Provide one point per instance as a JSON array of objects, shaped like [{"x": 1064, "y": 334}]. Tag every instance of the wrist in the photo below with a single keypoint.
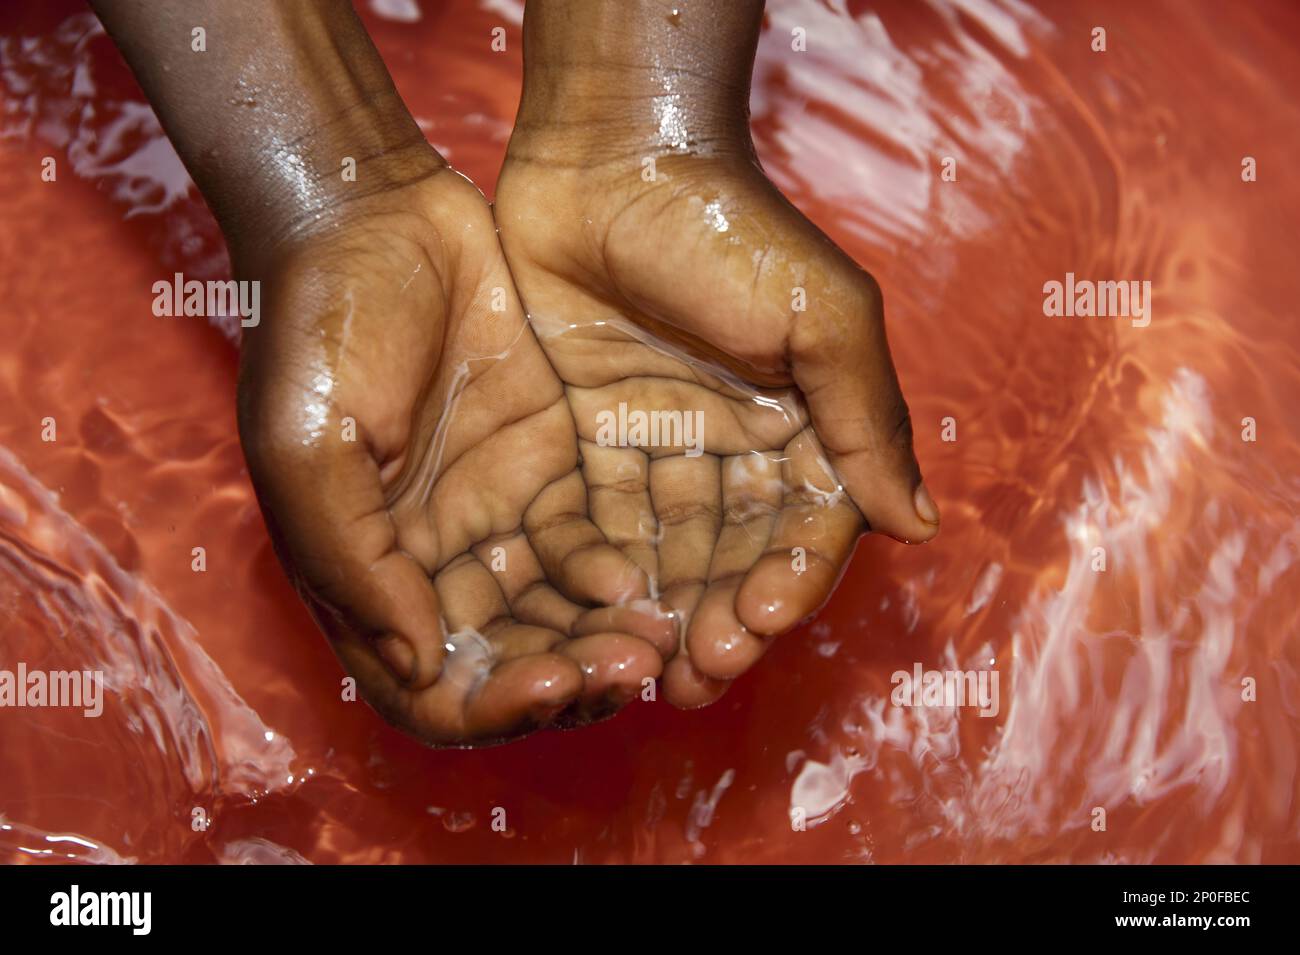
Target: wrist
[
  {"x": 575, "y": 124},
  {"x": 330, "y": 143},
  {"x": 612, "y": 81},
  {"x": 282, "y": 112},
  {"x": 342, "y": 164}
]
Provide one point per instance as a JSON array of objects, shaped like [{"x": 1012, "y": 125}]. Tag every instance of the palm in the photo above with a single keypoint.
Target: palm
[
  {"x": 683, "y": 294},
  {"x": 415, "y": 459}
]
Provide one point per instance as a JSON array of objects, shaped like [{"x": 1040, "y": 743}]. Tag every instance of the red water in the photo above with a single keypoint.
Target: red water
[{"x": 1121, "y": 689}]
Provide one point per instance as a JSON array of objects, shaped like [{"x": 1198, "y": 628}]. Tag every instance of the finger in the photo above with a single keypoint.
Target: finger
[
  {"x": 471, "y": 599},
  {"x": 532, "y": 600},
  {"x": 473, "y": 603},
  {"x": 574, "y": 553},
  {"x": 686, "y": 494},
  {"x": 529, "y": 595},
  {"x": 385, "y": 615},
  {"x": 325, "y": 508},
  {"x": 510, "y": 640},
  {"x": 842, "y": 364},
  {"x": 686, "y": 688},
  {"x": 719, "y": 645},
  {"x": 752, "y": 494},
  {"x": 811, "y": 543},
  {"x": 615, "y": 668},
  {"x": 618, "y": 494},
  {"x": 499, "y": 676},
  {"x": 482, "y": 702},
  {"x": 472, "y": 702},
  {"x": 455, "y": 502},
  {"x": 653, "y": 621}
]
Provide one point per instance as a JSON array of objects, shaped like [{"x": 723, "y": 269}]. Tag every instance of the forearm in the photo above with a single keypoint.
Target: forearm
[
  {"x": 605, "y": 77},
  {"x": 266, "y": 115}
]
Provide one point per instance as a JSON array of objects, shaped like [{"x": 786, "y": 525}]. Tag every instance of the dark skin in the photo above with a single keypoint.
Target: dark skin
[
  {"x": 426, "y": 467},
  {"x": 428, "y": 544},
  {"x": 809, "y": 440}
]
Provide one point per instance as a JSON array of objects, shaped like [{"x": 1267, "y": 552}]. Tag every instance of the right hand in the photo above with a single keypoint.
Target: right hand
[{"x": 682, "y": 293}]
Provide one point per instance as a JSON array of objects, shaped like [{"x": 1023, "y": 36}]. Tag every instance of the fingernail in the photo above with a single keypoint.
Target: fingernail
[
  {"x": 398, "y": 654},
  {"x": 926, "y": 509}
]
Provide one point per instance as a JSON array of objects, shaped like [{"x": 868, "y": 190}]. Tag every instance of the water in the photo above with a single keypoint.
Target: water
[{"x": 1120, "y": 689}]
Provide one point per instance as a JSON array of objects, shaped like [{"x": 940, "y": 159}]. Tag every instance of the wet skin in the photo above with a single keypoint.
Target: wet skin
[
  {"x": 407, "y": 438},
  {"x": 662, "y": 270},
  {"x": 426, "y": 456},
  {"x": 415, "y": 460}
]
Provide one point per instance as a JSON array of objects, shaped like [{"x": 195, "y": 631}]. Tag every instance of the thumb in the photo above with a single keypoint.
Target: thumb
[
  {"x": 325, "y": 508},
  {"x": 842, "y": 364}
]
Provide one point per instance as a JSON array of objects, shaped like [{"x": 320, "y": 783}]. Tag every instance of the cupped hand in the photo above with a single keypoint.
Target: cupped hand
[
  {"x": 416, "y": 463},
  {"x": 691, "y": 285}
]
